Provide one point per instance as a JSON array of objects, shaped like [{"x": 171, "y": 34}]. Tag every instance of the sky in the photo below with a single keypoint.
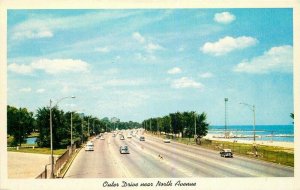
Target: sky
[{"x": 139, "y": 63}]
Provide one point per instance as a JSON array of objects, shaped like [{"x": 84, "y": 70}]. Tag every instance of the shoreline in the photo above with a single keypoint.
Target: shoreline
[{"x": 258, "y": 142}]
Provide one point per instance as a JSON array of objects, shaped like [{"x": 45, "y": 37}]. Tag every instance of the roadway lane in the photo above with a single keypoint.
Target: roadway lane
[
  {"x": 106, "y": 162},
  {"x": 176, "y": 160},
  {"x": 238, "y": 166}
]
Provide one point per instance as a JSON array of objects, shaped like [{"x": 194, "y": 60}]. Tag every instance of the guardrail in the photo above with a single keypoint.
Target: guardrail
[
  {"x": 19, "y": 147},
  {"x": 59, "y": 164},
  {"x": 62, "y": 160},
  {"x": 44, "y": 174}
]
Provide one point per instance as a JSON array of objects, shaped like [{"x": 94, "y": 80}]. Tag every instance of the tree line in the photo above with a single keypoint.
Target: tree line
[
  {"x": 179, "y": 123},
  {"x": 21, "y": 123}
]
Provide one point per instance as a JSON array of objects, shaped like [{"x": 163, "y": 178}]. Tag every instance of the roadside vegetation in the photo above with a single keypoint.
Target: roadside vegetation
[
  {"x": 179, "y": 124},
  {"x": 23, "y": 124}
]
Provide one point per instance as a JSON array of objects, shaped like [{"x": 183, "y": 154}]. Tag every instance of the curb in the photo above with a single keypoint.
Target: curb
[{"x": 70, "y": 163}]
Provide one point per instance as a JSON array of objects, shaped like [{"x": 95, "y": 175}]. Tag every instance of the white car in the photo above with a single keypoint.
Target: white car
[
  {"x": 89, "y": 146},
  {"x": 142, "y": 138},
  {"x": 129, "y": 136},
  {"x": 167, "y": 141},
  {"x": 102, "y": 138}
]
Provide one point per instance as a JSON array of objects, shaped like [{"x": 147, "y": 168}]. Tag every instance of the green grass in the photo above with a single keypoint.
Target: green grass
[
  {"x": 274, "y": 154},
  {"x": 35, "y": 134},
  {"x": 38, "y": 150}
]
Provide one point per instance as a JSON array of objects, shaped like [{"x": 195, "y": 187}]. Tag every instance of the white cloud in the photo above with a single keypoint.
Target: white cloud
[
  {"x": 103, "y": 49},
  {"x": 25, "y": 89},
  {"x": 141, "y": 57},
  {"x": 20, "y": 69},
  {"x": 206, "y": 75},
  {"x": 153, "y": 47},
  {"x": 41, "y": 90},
  {"x": 34, "y": 34},
  {"x": 125, "y": 82},
  {"x": 224, "y": 17},
  {"x": 174, "y": 70},
  {"x": 181, "y": 49},
  {"x": 276, "y": 59},
  {"x": 137, "y": 36},
  {"x": 228, "y": 44},
  {"x": 185, "y": 82},
  {"x": 51, "y": 66},
  {"x": 46, "y": 25}
]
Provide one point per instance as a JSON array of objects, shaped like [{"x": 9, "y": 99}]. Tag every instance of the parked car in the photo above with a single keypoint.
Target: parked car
[
  {"x": 167, "y": 141},
  {"x": 142, "y": 138},
  {"x": 226, "y": 153},
  {"x": 129, "y": 136},
  {"x": 102, "y": 138},
  {"x": 124, "y": 149},
  {"x": 122, "y": 138},
  {"x": 89, "y": 146}
]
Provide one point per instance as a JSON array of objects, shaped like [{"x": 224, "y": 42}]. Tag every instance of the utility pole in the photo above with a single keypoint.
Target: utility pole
[
  {"x": 93, "y": 126},
  {"x": 88, "y": 126},
  {"x": 71, "y": 129},
  {"x": 226, "y": 100},
  {"x": 195, "y": 124}
]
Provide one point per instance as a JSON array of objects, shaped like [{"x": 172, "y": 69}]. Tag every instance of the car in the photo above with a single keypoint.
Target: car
[
  {"x": 129, "y": 136},
  {"x": 167, "y": 141},
  {"x": 102, "y": 138},
  {"x": 89, "y": 146},
  {"x": 142, "y": 138},
  {"x": 114, "y": 135},
  {"x": 97, "y": 137},
  {"x": 122, "y": 138},
  {"x": 124, "y": 149},
  {"x": 226, "y": 153}
]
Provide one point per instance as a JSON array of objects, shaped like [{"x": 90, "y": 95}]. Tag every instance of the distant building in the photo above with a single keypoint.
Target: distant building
[{"x": 114, "y": 120}]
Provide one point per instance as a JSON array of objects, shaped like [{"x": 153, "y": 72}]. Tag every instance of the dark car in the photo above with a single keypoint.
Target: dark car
[
  {"x": 124, "y": 149},
  {"x": 226, "y": 153}
]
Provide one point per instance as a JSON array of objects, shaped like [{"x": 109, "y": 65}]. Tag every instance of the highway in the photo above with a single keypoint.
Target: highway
[{"x": 153, "y": 158}]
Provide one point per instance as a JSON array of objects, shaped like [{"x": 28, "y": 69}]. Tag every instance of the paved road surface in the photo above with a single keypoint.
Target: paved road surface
[{"x": 177, "y": 160}]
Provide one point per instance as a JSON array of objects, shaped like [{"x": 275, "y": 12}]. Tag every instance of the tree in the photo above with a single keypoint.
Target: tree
[
  {"x": 166, "y": 124},
  {"x": 202, "y": 126},
  {"x": 20, "y": 124},
  {"x": 292, "y": 116},
  {"x": 60, "y": 128}
]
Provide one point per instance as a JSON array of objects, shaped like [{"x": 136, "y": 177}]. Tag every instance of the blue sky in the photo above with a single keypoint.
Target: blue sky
[{"x": 140, "y": 63}]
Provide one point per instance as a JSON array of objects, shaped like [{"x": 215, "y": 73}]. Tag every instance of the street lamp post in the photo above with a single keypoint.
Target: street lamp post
[
  {"x": 72, "y": 128},
  {"x": 195, "y": 124},
  {"x": 51, "y": 135},
  {"x": 226, "y": 100},
  {"x": 252, "y": 108}
]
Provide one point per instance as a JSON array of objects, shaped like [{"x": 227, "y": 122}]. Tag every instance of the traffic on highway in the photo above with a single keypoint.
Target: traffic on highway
[{"x": 136, "y": 154}]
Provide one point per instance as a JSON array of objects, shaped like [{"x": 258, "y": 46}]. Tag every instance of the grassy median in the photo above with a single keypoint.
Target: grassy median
[{"x": 38, "y": 150}]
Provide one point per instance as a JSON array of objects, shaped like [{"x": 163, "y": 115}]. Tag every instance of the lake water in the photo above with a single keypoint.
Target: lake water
[
  {"x": 263, "y": 132},
  {"x": 31, "y": 140}
]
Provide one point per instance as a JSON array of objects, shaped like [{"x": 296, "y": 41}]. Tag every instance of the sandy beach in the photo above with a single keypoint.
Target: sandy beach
[{"x": 259, "y": 142}]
